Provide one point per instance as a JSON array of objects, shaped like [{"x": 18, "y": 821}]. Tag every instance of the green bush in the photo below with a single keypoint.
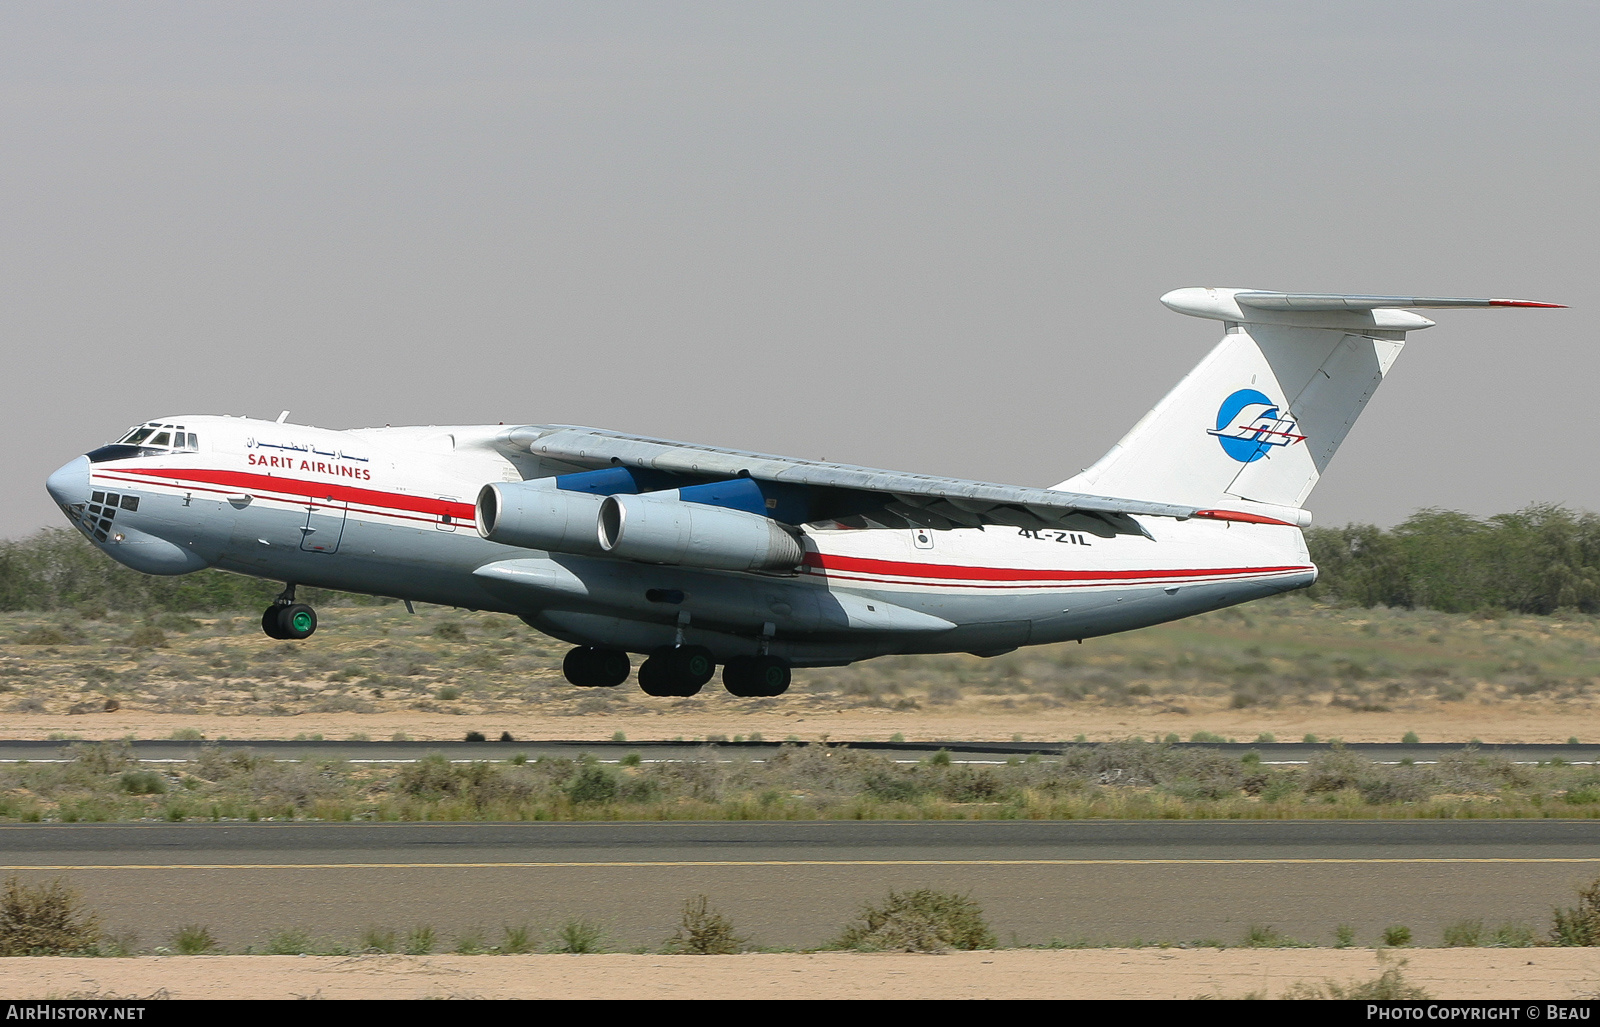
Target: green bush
[
  {"x": 420, "y": 940},
  {"x": 579, "y": 936},
  {"x": 377, "y": 939},
  {"x": 143, "y": 782},
  {"x": 923, "y": 920},
  {"x": 593, "y": 783},
  {"x": 1261, "y": 936},
  {"x": 518, "y": 940},
  {"x": 1513, "y": 936},
  {"x": 193, "y": 940}
]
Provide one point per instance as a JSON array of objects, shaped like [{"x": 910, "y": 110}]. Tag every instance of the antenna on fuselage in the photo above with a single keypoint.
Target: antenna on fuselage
[{"x": 283, "y": 417}]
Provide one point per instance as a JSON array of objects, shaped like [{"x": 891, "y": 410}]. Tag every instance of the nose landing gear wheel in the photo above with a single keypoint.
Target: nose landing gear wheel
[
  {"x": 750, "y": 677},
  {"x": 588, "y": 667},
  {"x": 681, "y": 671}
]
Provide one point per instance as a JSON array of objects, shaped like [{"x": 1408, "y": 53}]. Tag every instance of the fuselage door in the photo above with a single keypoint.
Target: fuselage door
[
  {"x": 445, "y": 521},
  {"x": 324, "y": 525}
]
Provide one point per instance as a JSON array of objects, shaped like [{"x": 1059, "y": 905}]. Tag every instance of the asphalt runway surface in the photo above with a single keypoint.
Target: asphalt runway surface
[
  {"x": 796, "y": 884},
  {"x": 961, "y": 751}
]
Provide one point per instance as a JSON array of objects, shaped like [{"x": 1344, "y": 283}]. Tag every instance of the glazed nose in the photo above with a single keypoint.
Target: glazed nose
[{"x": 70, "y": 483}]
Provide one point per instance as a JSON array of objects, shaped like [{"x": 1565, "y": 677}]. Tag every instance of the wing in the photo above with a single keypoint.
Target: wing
[{"x": 854, "y": 496}]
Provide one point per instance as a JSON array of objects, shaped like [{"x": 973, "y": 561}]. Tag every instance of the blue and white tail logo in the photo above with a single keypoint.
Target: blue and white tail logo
[{"x": 1249, "y": 426}]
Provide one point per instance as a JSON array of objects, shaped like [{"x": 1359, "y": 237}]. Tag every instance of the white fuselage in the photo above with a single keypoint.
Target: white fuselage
[{"x": 390, "y": 511}]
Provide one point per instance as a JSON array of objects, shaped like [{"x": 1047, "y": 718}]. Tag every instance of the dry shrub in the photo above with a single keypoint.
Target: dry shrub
[
  {"x": 193, "y": 940},
  {"x": 1580, "y": 924},
  {"x": 1390, "y": 985},
  {"x": 702, "y": 931},
  {"x": 147, "y": 636},
  {"x": 45, "y": 920},
  {"x": 49, "y": 634},
  {"x": 104, "y": 757},
  {"x": 923, "y": 920}
]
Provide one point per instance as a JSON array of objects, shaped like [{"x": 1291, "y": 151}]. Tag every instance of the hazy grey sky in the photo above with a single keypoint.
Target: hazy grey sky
[{"x": 927, "y": 236}]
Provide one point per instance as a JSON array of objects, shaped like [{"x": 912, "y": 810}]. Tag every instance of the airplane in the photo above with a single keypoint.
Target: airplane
[{"x": 700, "y": 556}]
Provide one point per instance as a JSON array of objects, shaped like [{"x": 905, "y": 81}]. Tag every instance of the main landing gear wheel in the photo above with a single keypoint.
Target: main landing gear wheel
[
  {"x": 588, "y": 667},
  {"x": 680, "y": 671},
  {"x": 289, "y": 623},
  {"x": 750, "y": 677}
]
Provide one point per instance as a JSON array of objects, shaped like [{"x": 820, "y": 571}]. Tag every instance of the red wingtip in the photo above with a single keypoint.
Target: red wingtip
[{"x": 1525, "y": 303}]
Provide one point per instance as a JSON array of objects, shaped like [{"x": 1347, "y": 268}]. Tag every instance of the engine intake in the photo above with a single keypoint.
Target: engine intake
[
  {"x": 538, "y": 515},
  {"x": 658, "y": 528}
]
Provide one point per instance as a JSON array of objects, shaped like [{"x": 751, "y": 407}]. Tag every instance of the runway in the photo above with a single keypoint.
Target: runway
[
  {"x": 795, "y": 884},
  {"x": 160, "y": 750}
]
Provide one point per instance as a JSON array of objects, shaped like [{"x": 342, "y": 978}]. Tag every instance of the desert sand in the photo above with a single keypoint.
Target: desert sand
[
  {"x": 1152, "y": 973},
  {"x": 1489, "y": 723}
]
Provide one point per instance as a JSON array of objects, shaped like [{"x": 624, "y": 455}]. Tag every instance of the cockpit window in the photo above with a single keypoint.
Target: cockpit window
[{"x": 151, "y": 439}]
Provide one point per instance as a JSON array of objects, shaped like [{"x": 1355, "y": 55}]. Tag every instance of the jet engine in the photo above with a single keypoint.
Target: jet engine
[
  {"x": 659, "y": 528},
  {"x": 539, "y": 515}
]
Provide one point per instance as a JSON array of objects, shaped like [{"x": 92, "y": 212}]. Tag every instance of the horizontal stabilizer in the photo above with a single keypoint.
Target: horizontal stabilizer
[
  {"x": 1332, "y": 301},
  {"x": 1323, "y": 310}
]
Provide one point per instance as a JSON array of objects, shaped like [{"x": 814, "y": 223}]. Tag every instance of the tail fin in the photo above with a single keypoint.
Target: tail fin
[{"x": 1261, "y": 416}]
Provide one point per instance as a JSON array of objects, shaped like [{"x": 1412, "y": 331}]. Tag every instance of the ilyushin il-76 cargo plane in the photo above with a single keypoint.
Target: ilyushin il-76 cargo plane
[{"x": 697, "y": 556}]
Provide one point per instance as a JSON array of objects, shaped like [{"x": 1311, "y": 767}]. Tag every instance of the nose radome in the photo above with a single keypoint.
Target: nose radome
[{"x": 70, "y": 483}]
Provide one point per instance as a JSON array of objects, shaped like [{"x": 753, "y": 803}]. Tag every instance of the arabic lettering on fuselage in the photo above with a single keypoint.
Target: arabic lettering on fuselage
[{"x": 292, "y": 463}]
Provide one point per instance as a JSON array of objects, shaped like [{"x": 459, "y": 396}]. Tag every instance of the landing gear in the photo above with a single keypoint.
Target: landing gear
[
  {"x": 749, "y": 677},
  {"x": 680, "y": 670},
  {"x": 288, "y": 620},
  {"x": 289, "y": 623},
  {"x": 588, "y": 667}
]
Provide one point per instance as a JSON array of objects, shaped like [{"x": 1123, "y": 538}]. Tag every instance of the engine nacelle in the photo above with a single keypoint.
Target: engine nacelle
[
  {"x": 538, "y": 515},
  {"x": 658, "y": 528}
]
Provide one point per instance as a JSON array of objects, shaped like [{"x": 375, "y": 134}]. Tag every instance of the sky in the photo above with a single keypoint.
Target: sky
[{"x": 929, "y": 236}]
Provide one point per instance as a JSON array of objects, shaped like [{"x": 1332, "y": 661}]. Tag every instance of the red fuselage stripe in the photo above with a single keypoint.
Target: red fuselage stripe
[
  {"x": 245, "y": 481},
  {"x": 845, "y": 567}
]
